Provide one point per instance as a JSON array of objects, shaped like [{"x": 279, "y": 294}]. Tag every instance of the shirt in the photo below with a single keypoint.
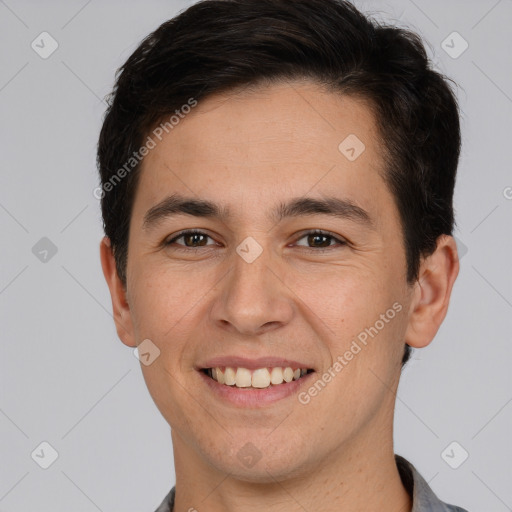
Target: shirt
[{"x": 423, "y": 498}]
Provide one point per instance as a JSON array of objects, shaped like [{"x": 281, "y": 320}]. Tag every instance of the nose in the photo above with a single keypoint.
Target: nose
[{"x": 253, "y": 298}]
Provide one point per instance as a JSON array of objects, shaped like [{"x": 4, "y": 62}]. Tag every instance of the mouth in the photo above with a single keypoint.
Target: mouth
[{"x": 257, "y": 378}]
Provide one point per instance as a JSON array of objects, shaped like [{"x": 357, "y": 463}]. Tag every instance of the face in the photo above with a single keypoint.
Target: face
[{"x": 256, "y": 282}]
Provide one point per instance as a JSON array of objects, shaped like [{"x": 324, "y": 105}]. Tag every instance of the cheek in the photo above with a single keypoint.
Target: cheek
[
  {"x": 161, "y": 299},
  {"x": 163, "y": 310},
  {"x": 346, "y": 299},
  {"x": 361, "y": 319}
]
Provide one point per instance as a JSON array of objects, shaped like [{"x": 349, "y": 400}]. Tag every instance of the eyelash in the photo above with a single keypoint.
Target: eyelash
[{"x": 317, "y": 232}]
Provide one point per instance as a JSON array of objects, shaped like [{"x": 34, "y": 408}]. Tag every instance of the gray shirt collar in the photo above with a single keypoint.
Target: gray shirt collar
[{"x": 423, "y": 497}]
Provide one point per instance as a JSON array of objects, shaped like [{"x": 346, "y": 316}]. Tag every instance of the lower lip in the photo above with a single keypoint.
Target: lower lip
[{"x": 255, "y": 398}]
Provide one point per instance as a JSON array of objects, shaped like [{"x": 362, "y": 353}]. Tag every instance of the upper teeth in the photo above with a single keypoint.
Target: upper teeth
[{"x": 259, "y": 378}]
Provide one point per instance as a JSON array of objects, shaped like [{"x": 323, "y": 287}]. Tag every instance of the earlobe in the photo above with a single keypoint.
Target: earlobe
[
  {"x": 431, "y": 294},
  {"x": 120, "y": 307}
]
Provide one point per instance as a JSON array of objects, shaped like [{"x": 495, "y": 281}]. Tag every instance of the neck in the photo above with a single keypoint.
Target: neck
[{"x": 360, "y": 475}]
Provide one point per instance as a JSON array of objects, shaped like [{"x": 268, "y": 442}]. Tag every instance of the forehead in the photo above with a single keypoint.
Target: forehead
[
  {"x": 267, "y": 142},
  {"x": 303, "y": 118}
]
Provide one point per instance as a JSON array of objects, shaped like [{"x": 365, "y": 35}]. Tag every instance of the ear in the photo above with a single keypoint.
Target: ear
[
  {"x": 431, "y": 293},
  {"x": 120, "y": 306}
]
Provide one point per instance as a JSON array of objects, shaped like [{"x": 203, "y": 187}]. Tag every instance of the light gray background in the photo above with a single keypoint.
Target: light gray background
[{"x": 68, "y": 380}]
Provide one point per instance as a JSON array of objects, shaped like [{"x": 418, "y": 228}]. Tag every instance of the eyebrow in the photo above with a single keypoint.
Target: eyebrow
[{"x": 178, "y": 204}]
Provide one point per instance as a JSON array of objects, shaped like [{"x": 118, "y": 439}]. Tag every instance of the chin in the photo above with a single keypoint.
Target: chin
[{"x": 276, "y": 462}]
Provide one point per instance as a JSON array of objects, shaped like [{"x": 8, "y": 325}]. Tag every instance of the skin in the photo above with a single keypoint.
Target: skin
[{"x": 248, "y": 151}]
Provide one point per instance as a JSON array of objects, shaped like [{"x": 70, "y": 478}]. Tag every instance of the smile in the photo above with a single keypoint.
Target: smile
[{"x": 258, "y": 378}]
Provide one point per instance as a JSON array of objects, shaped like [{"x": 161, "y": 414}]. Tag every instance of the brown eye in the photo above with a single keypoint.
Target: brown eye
[
  {"x": 321, "y": 240},
  {"x": 191, "y": 239}
]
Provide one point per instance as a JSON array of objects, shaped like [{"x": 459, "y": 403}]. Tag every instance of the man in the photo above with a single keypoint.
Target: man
[{"x": 277, "y": 182}]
